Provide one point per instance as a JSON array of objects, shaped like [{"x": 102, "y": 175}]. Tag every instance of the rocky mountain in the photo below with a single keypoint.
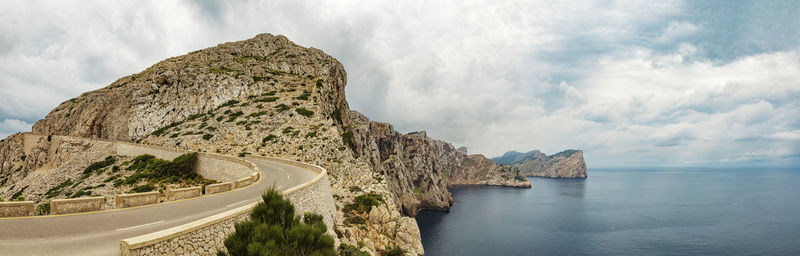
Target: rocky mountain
[
  {"x": 269, "y": 96},
  {"x": 565, "y": 164}
]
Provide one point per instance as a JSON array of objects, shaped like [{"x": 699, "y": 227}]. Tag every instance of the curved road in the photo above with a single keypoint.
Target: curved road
[{"x": 99, "y": 233}]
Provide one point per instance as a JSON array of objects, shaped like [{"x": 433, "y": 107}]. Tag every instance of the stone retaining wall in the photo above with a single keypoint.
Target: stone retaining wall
[
  {"x": 136, "y": 199},
  {"x": 88, "y": 204},
  {"x": 12, "y": 209},
  {"x": 218, "y": 188},
  {"x": 206, "y": 236},
  {"x": 182, "y": 193}
]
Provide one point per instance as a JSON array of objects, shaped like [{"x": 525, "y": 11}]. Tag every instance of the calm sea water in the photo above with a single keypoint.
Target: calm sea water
[{"x": 625, "y": 212}]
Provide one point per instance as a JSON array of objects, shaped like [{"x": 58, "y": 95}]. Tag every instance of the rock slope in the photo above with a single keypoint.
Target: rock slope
[
  {"x": 269, "y": 96},
  {"x": 565, "y": 164}
]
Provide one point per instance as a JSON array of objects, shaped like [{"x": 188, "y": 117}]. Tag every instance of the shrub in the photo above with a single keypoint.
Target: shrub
[
  {"x": 229, "y": 103},
  {"x": 267, "y": 99},
  {"x": 311, "y": 134},
  {"x": 100, "y": 164},
  {"x": 282, "y": 107},
  {"x": 55, "y": 191},
  {"x": 287, "y": 130},
  {"x": 207, "y": 136},
  {"x": 44, "y": 209},
  {"x": 394, "y": 251},
  {"x": 365, "y": 202},
  {"x": 355, "y": 189},
  {"x": 304, "y": 112},
  {"x": 159, "y": 170},
  {"x": 269, "y": 138},
  {"x": 273, "y": 229},
  {"x": 349, "y": 250},
  {"x": 303, "y": 96},
  {"x": 143, "y": 188},
  {"x": 1, "y": 199},
  {"x": 355, "y": 220}
]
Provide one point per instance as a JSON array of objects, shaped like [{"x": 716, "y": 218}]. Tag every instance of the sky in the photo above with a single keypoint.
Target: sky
[{"x": 632, "y": 83}]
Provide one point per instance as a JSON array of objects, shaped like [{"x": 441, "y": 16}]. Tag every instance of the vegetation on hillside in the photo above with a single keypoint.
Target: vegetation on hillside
[
  {"x": 273, "y": 229},
  {"x": 155, "y": 170}
]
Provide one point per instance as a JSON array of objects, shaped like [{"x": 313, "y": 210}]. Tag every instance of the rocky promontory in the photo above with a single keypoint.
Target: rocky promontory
[
  {"x": 268, "y": 96},
  {"x": 565, "y": 164}
]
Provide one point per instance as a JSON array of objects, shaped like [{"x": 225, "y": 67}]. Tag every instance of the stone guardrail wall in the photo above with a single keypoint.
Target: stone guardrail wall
[
  {"x": 88, "y": 204},
  {"x": 19, "y": 208},
  {"x": 136, "y": 199},
  {"x": 206, "y": 236},
  {"x": 182, "y": 193},
  {"x": 218, "y": 188}
]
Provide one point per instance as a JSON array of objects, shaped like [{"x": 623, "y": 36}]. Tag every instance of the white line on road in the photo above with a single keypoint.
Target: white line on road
[
  {"x": 236, "y": 203},
  {"x": 123, "y": 229}
]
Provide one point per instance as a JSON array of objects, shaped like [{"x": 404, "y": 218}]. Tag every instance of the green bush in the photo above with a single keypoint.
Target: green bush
[
  {"x": 282, "y": 107},
  {"x": 303, "y": 96},
  {"x": 349, "y": 250},
  {"x": 365, "y": 202},
  {"x": 393, "y": 251},
  {"x": 267, "y": 99},
  {"x": 100, "y": 164},
  {"x": 55, "y": 191},
  {"x": 355, "y": 220},
  {"x": 273, "y": 229},
  {"x": 311, "y": 134},
  {"x": 159, "y": 170},
  {"x": 304, "y": 112},
  {"x": 44, "y": 209},
  {"x": 207, "y": 136},
  {"x": 269, "y": 138},
  {"x": 143, "y": 188}
]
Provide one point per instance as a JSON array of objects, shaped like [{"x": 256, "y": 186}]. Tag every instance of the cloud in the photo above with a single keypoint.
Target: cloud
[
  {"x": 677, "y": 31},
  {"x": 631, "y": 83},
  {"x": 10, "y": 126}
]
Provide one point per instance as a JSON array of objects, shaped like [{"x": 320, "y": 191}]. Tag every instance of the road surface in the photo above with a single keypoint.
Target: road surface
[{"x": 99, "y": 233}]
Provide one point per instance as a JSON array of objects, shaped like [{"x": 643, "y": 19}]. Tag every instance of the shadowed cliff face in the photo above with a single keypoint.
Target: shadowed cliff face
[{"x": 269, "y": 96}]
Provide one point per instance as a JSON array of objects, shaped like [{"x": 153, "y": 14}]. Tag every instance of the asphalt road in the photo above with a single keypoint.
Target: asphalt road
[{"x": 99, "y": 233}]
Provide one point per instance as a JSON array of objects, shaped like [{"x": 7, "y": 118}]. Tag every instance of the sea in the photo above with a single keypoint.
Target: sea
[{"x": 636, "y": 211}]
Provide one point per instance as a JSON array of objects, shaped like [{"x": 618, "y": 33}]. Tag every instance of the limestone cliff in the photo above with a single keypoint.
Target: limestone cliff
[
  {"x": 269, "y": 96},
  {"x": 565, "y": 164}
]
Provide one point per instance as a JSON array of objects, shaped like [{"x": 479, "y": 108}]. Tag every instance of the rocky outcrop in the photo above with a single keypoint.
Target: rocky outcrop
[
  {"x": 268, "y": 96},
  {"x": 565, "y": 164}
]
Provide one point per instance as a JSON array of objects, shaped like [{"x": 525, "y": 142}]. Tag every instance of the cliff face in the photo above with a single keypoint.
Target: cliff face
[
  {"x": 565, "y": 164},
  {"x": 269, "y": 96},
  {"x": 419, "y": 169}
]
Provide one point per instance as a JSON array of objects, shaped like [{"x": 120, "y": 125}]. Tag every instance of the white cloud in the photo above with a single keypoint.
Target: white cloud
[
  {"x": 10, "y": 126},
  {"x": 490, "y": 75},
  {"x": 677, "y": 31}
]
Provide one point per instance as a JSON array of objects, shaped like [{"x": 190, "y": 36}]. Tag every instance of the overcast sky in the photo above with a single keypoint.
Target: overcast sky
[{"x": 632, "y": 83}]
